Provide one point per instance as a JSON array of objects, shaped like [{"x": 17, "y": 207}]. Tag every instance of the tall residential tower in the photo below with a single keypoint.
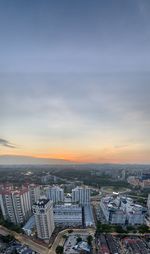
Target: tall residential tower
[
  {"x": 43, "y": 212},
  {"x": 81, "y": 195}
]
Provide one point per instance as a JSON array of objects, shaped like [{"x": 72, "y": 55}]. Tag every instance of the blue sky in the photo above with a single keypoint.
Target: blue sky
[{"x": 75, "y": 79}]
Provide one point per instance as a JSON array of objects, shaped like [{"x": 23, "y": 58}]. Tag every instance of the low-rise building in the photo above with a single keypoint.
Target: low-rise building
[
  {"x": 68, "y": 215},
  {"x": 122, "y": 210},
  {"x": 29, "y": 226}
]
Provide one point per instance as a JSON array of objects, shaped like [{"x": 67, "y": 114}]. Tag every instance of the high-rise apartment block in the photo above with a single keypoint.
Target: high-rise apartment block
[
  {"x": 34, "y": 193},
  {"x": 15, "y": 205},
  {"x": 55, "y": 193},
  {"x": 81, "y": 195},
  {"x": 148, "y": 204},
  {"x": 44, "y": 220}
]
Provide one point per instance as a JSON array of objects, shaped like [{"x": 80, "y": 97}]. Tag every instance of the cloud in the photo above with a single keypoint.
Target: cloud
[
  {"x": 121, "y": 146},
  {"x": 6, "y": 143}
]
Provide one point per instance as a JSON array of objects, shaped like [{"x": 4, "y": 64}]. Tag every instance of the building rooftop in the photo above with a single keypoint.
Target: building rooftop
[
  {"x": 42, "y": 202},
  {"x": 30, "y": 224},
  {"x": 122, "y": 203}
]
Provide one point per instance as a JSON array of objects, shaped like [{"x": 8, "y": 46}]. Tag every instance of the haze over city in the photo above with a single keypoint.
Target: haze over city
[{"x": 75, "y": 81}]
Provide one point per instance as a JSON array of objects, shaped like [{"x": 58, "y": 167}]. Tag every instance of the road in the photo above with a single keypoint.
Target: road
[
  {"x": 38, "y": 247},
  {"x": 25, "y": 240},
  {"x": 59, "y": 239}
]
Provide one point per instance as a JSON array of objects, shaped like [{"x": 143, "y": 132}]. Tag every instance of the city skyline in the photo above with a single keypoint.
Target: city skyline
[{"x": 75, "y": 80}]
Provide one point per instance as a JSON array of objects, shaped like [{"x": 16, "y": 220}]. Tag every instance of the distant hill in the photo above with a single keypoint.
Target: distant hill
[{"x": 16, "y": 159}]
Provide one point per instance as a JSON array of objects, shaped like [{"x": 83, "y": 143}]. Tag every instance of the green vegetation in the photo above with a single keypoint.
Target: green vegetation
[
  {"x": 143, "y": 229},
  {"x": 110, "y": 189},
  {"x": 107, "y": 228},
  {"x": 10, "y": 225},
  {"x": 141, "y": 201},
  {"x": 87, "y": 178},
  {"x": 70, "y": 231},
  {"x": 89, "y": 240},
  {"x": 130, "y": 228},
  {"x": 65, "y": 237},
  {"x": 94, "y": 193},
  {"x": 59, "y": 249},
  {"x": 79, "y": 239},
  {"x": 7, "y": 239}
]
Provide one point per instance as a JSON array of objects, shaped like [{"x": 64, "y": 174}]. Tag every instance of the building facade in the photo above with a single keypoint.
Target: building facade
[
  {"x": 44, "y": 219},
  {"x": 81, "y": 195},
  {"x": 55, "y": 193},
  {"x": 34, "y": 193},
  {"x": 148, "y": 204},
  {"x": 15, "y": 205},
  {"x": 122, "y": 210}
]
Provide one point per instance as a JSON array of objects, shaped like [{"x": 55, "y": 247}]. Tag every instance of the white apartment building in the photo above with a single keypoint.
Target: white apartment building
[
  {"x": 81, "y": 195},
  {"x": 44, "y": 220},
  {"x": 34, "y": 193},
  {"x": 15, "y": 205},
  {"x": 148, "y": 204},
  {"x": 55, "y": 193},
  {"x": 6, "y": 203}
]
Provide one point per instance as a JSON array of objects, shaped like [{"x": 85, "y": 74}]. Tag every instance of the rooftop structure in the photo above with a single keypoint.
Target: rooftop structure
[
  {"x": 69, "y": 215},
  {"x": 135, "y": 245},
  {"x": 88, "y": 216},
  {"x": 29, "y": 226}
]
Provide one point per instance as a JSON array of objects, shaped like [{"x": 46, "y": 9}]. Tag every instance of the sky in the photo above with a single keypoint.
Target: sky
[{"x": 75, "y": 80}]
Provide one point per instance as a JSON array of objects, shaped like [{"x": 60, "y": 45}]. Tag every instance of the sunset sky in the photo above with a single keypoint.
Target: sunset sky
[{"x": 75, "y": 80}]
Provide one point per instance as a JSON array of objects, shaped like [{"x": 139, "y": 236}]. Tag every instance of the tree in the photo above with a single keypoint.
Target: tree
[
  {"x": 7, "y": 238},
  {"x": 59, "y": 249},
  {"x": 119, "y": 229},
  {"x": 70, "y": 231},
  {"x": 79, "y": 239},
  {"x": 130, "y": 228},
  {"x": 143, "y": 229},
  {"x": 65, "y": 236},
  {"x": 89, "y": 240}
]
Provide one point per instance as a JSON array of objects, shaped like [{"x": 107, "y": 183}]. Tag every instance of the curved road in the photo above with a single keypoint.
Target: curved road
[
  {"x": 24, "y": 240},
  {"x": 38, "y": 247},
  {"x": 60, "y": 236}
]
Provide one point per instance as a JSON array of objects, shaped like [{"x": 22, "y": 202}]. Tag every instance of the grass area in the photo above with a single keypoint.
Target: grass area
[
  {"x": 107, "y": 228},
  {"x": 111, "y": 189}
]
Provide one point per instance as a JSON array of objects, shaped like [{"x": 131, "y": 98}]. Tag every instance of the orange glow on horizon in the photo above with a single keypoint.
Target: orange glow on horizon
[{"x": 110, "y": 155}]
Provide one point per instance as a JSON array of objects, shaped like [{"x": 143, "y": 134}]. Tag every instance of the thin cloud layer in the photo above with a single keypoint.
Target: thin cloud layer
[
  {"x": 6, "y": 143},
  {"x": 75, "y": 79}
]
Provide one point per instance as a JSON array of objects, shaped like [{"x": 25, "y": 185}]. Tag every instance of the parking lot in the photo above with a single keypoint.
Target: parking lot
[{"x": 69, "y": 246}]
